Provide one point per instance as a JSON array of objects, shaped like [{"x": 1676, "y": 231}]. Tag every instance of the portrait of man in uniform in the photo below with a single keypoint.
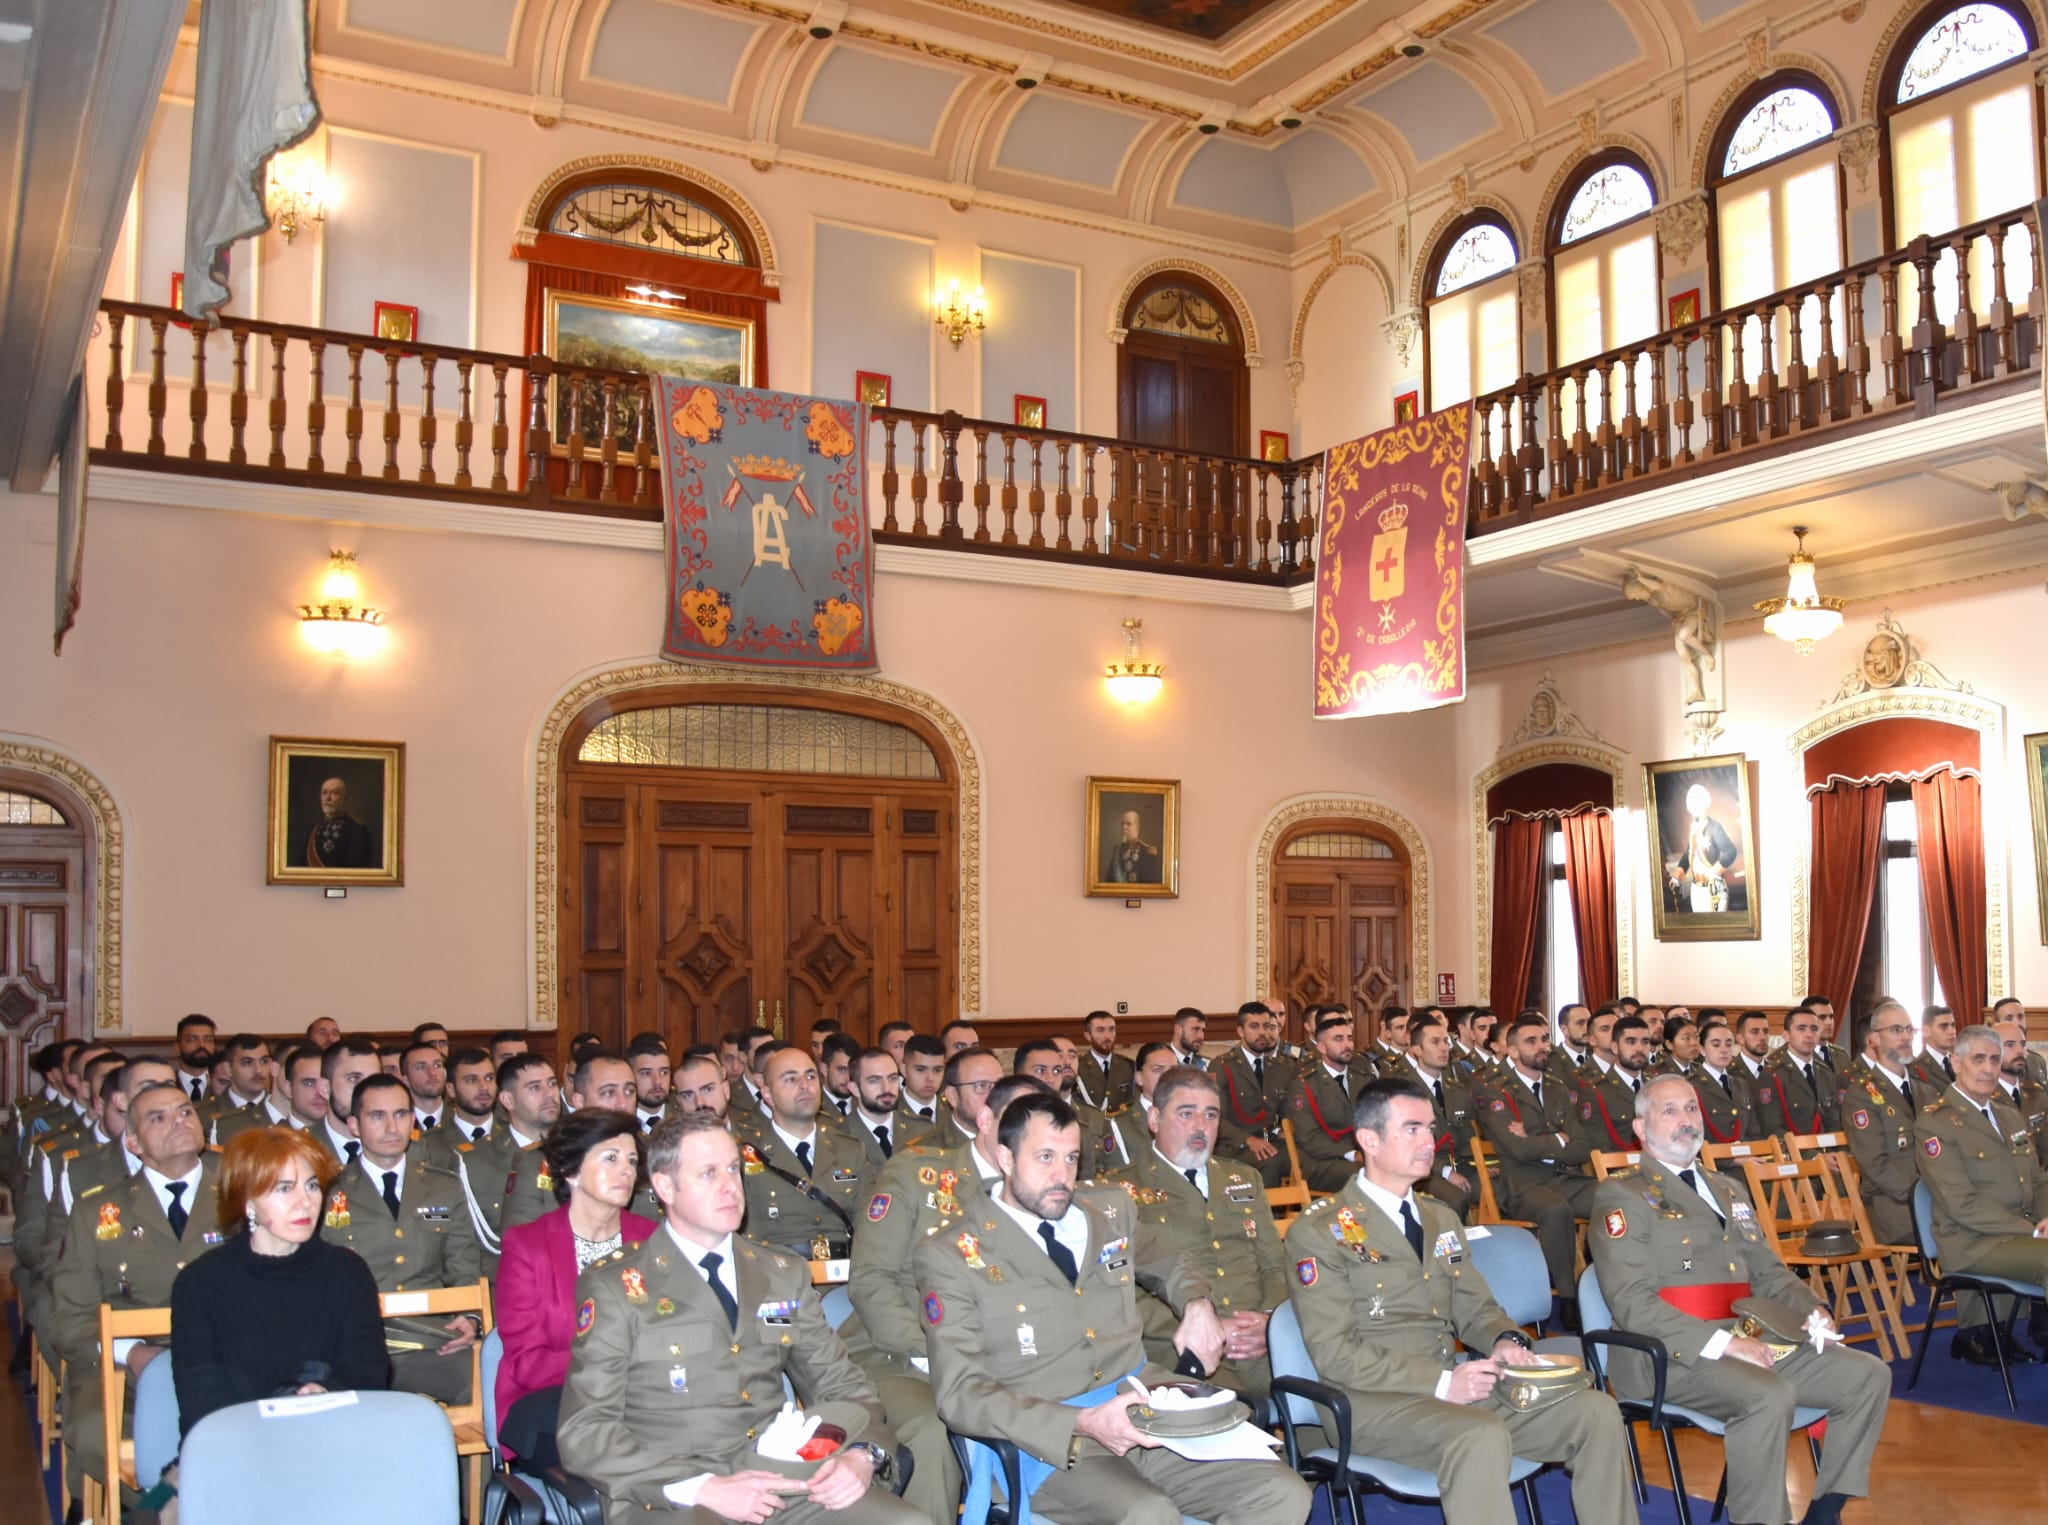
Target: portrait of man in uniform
[
  {"x": 1702, "y": 844},
  {"x": 1133, "y": 842},
  {"x": 336, "y": 812}
]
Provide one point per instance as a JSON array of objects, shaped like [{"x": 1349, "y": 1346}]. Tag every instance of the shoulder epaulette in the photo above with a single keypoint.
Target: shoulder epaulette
[
  {"x": 90, "y": 1190},
  {"x": 1318, "y": 1205}
]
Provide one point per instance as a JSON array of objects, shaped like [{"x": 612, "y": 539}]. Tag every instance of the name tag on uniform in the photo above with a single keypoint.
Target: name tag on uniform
[
  {"x": 1238, "y": 1191},
  {"x": 1113, "y": 1255},
  {"x": 433, "y": 1214},
  {"x": 776, "y": 1313},
  {"x": 1447, "y": 1247},
  {"x": 845, "y": 1175},
  {"x": 1739, "y": 1211}
]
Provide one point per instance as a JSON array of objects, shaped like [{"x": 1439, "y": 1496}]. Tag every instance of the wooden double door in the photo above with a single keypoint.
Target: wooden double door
[
  {"x": 697, "y": 901},
  {"x": 44, "y": 934},
  {"x": 1340, "y": 934}
]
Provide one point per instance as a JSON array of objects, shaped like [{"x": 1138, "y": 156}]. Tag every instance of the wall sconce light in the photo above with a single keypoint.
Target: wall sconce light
[
  {"x": 295, "y": 193},
  {"x": 1802, "y": 616},
  {"x": 1134, "y": 680},
  {"x": 959, "y": 314},
  {"x": 341, "y": 625}
]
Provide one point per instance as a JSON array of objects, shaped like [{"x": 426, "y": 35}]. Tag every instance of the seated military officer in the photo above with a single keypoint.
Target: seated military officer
[
  {"x": 1385, "y": 1293},
  {"x": 345, "y": 1064},
  {"x": 532, "y": 1101},
  {"x": 804, "y": 1182},
  {"x": 1132, "y": 1126},
  {"x": 1053, "y": 1064},
  {"x": 1428, "y": 1064},
  {"x": 473, "y": 1098},
  {"x": 877, "y": 1082},
  {"x": 1799, "y": 1092},
  {"x": 1032, "y": 1324},
  {"x": 1878, "y": 1106},
  {"x": 1990, "y": 1191},
  {"x": 920, "y": 1107},
  {"x": 599, "y": 1078},
  {"x": 1653, "y": 1227},
  {"x": 652, "y": 1074},
  {"x": 682, "y": 1344},
  {"x": 1255, "y": 1081},
  {"x": 1104, "y": 1074},
  {"x": 1194, "y": 1200},
  {"x": 409, "y": 1223},
  {"x": 1320, "y": 1107},
  {"x": 701, "y": 1086}
]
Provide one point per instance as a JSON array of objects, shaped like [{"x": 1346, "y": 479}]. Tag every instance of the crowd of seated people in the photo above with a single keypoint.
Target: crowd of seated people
[{"x": 1016, "y": 1235}]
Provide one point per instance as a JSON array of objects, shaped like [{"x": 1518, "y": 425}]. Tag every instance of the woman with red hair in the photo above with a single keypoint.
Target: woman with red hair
[{"x": 275, "y": 1310}]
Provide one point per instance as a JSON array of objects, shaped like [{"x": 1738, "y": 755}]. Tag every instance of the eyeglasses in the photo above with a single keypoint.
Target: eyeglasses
[{"x": 974, "y": 1085}]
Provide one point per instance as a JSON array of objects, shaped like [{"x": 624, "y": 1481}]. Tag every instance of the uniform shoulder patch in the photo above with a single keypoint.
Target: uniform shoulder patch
[
  {"x": 1496, "y": 1105},
  {"x": 1859, "y": 1118},
  {"x": 1933, "y": 1148},
  {"x": 1616, "y": 1223},
  {"x": 934, "y": 1310},
  {"x": 586, "y": 1316},
  {"x": 1305, "y": 1271},
  {"x": 878, "y": 1207}
]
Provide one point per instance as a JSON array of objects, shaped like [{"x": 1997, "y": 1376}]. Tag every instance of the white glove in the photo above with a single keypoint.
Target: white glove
[
  {"x": 1822, "y": 1330},
  {"x": 787, "y": 1434}
]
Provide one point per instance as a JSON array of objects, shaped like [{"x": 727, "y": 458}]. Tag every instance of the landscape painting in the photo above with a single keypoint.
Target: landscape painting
[{"x": 599, "y": 333}]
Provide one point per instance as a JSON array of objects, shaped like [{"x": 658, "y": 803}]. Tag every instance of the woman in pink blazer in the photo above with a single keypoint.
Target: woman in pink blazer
[{"x": 594, "y": 1159}]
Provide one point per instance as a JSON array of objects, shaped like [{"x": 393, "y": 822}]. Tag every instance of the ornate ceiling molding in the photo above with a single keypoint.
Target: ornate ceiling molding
[
  {"x": 529, "y": 224},
  {"x": 611, "y": 682},
  {"x": 1345, "y": 807},
  {"x": 1238, "y": 305},
  {"x": 103, "y": 986}
]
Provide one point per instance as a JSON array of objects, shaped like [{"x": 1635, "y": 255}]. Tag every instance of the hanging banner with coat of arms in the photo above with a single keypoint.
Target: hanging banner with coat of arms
[
  {"x": 1390, "y": 570},
  {"x": 769, "y": 559}
]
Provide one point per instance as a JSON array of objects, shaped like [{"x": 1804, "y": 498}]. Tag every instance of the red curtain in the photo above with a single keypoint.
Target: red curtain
[
  {"x": 1589, "y": 878},
  {"x": 1517, "y": 886},
  {"x": 1949, "y": 812},
  {"x": 1848, "y": 841}
]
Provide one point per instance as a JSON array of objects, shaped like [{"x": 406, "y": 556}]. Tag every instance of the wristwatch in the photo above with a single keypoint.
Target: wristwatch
[
  {"x": 1518, "y": 1337},
  {"x": 880, "y": 1462}
]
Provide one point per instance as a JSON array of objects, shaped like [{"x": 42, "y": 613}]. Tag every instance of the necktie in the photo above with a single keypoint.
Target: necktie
[
  {"x": 1807, "y": 1071},
  {"x": 842, "y": 1105},
  {"x": 1259, "y": 1071},
  {"x": 198, "y": 1089},
  {"x": 1412, "y": 1227},
  {"x": 1062, "y": 1257},
  {"x": 353, "y": 1149},
  {"x": 176, "y": 1211},
  {"x": 476, "y": 1134},
  {"x": 803, "y": 1155},
  {"x": 1947, "y": 1068},
  {"x": 1436, "y": 1089},
  {"x": 391, "y": 1191},
  {"x": 1728, "y": 1087},
  {"x": 1536, "y": 1089},
  {"x": 1693, "y": 1182},
  {"x": 1906, "y": 1091},
  {"x": 711, "y": 1263},
  {"x": 925, "y": 1113},
  {"x": 1195, "y": 1180},
  {"x": 1827, "y": 1058},
  {"x": 428, "y": 1122},
  {"x": 882, "y": 1138},
  {"x": 1636, "y": 1085}
]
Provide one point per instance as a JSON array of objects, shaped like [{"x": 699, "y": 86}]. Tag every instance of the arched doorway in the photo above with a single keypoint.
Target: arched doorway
[
  {"x": 1341, "y": 908},
  {"x": 734, "y": 854},
  {"x": 1182, "y": 382},
  {"x": 48, "y": 875}
]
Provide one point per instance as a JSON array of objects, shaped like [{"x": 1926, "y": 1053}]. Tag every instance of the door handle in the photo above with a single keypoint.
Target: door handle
[{"x": 778, "y": 1020}]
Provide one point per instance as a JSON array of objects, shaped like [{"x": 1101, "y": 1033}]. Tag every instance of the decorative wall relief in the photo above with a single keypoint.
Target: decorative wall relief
[
  {"x": 1890, "y": 659},
  {"x": 1696, "y": 637}
]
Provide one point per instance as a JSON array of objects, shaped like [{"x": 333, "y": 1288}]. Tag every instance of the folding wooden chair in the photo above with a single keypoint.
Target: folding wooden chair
[
  {"x": 1835, "y": 1146},
  {"x": 1731, "y": 1156},
  {"x": 1486, "y": 1206},
  {"x": 1607, "y": 1162},
  {"x": 1294, "y": 1163},
  {"x": 49, "y": 1383},
  {"x": 1793, "y": 1195},
  {"x": 101, "y": 1500},
  {"x": 466, "y": 1419}
]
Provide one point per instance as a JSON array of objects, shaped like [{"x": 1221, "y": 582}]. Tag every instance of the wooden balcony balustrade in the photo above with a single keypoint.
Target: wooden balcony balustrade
[{"x": 1891, "y": 338}]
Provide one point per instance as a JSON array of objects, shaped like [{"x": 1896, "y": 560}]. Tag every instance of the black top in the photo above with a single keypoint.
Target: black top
[{"x": 244, "y": 1325}]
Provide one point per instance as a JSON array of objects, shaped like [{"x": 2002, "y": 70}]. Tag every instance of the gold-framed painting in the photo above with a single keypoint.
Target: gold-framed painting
[
  {"x": 1131, "y": 838},
  {"x": 337, "y": 812},
  {"x": 2037, "y": 793},
  {"x": 605, "y": 333},
  {"x": 1702, "y": 820}
]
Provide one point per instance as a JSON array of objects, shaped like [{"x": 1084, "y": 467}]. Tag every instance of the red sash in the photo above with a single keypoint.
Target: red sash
[{"x": 1713, "y": 1302}]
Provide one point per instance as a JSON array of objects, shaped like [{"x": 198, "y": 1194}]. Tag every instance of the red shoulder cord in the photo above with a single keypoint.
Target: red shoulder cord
[
  {"x": 1230, "y": 1083},
  {"x": 1308, "y": 1090},
  {"x": 1707, "y": 1118},
  {"x": 1785, "y": 1105},
  {"x": 1608, "y": 1122}
]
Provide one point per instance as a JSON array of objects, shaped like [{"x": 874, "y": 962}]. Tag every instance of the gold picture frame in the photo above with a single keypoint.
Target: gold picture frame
[
  {"x": 360, "y": 842},
  {"x": 2037, "y": 794},
  {"x": 605, "y": 333},
  {"x": 1715, "y": 901},
  {"x": 1122, "y": 863}
]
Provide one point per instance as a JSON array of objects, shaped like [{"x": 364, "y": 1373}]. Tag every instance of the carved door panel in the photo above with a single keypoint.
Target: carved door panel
[
  {"x": 1376, "y": 946},
  {"x": 1308, "y": 939},
  {"x": 921, "y": 905},
  {"x": 702, "y": 936},
  {"x": 597, "y": 907},
  {"x": 1340, "y": 934},
  {"x": 832, "y": 932},
  {"x": 42, "y": 925}
]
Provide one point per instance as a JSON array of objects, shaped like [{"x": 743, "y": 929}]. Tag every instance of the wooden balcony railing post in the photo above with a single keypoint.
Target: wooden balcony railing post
[
  {"x": 573, "y": 443},
  {"x": 1681, "y": 415},
  {"x": 501, "y": 426},
  {"x": 1769, "y": 422},
  {"x": 1660, "y": 412},
  {"x": 1714, "y": 341},
  {"x": 1481, "y": 489},
  {"x": 429, "y": 426},
  {"x": 1631, "y": 441},
  {"x": 1928, "y": 333},
  {"x": 540, "y": 436},
  {"x": 1006, "y": 495},
  {"x": 608, "y": 450},
  {"x": 920, "y": 482},
  {"x": 2000, "y": 315},
  {"x": 1741, "y": 409},
  {"x": 352, "y": 419},
  {"x": 117, "y": 383},
  {"x": 1827, "y": 368},
  {"x": 890, "y": 481},
  {"x": 1891, "y": 344},
  {"x": 316, "y": 403},
  {"x": 950, "y": 487},
  {"x": 465, "y": 421},
  {"x": 1529, "y": 455},
  {"x": 1798, "y": 404},
  {"x": 393, "y": 421},
  {"x": 279, "y": 409},
  {"x": 1263, "y": 530},
  {"x": 238, "y": 400},
  {"x": 1964, "y": 329},
  {"x": 1089, "y": 507},
  {"x": 646, "y": 470},
  {"x": 195, "y": 391},
  {"x": 1290, "y": 528},
  {"x": 981, "y": 498},
  {"x": 1063, "y": 501},
  {"x": 1034, "y": 498}
]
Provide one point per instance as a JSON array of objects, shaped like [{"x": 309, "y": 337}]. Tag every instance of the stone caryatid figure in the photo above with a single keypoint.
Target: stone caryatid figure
[{"x": 1695, "y": 633}]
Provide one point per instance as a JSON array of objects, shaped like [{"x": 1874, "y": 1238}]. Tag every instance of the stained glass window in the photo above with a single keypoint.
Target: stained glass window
[
  {"x": 1335, "y": 844},
  {"x": 1182, "y": 313},
  {"x": 1781, "y": 122},
  {"x": 644, "y": 217},
  {"x": 1479, "y": 253},
  {"x": 1967, "y": 41},
  {"x": 770, "y": 738},
  {"x": 1611, "y": 194},
  {"x": 29, "y": 810}
]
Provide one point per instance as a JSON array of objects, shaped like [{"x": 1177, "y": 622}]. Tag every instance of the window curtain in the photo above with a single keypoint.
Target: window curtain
[
  {"x": 1848, "y": 839},
  {"x": 1589, "y": 879},
  {"x": 1949, "y": 812},
  {"x": 1517, "y": 891}
]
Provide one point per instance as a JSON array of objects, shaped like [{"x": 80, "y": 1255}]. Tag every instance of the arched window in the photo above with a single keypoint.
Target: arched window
[
  {"x": 651, "y": 217},
  {"x": 1776, "y": 187},
  {"x": 1603, "y": 264},
  {"x": 1961, "y": 140},
  {"x": 1474, "y": 338}
]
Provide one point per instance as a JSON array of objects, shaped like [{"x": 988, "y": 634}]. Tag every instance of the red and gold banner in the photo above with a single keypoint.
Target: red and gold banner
[{"x": 1390, "y": 571}]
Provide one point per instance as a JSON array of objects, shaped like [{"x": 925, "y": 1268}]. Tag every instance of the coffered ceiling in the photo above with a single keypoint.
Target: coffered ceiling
[{"x": 1262, "y": 122}]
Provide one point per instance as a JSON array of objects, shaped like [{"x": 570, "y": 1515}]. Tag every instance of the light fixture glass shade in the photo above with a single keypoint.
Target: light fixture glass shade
[
  {"x": 1804, "y": 615},
  {"x": 340, "y": 625},
  {"x": 1134, "y": 680}
]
